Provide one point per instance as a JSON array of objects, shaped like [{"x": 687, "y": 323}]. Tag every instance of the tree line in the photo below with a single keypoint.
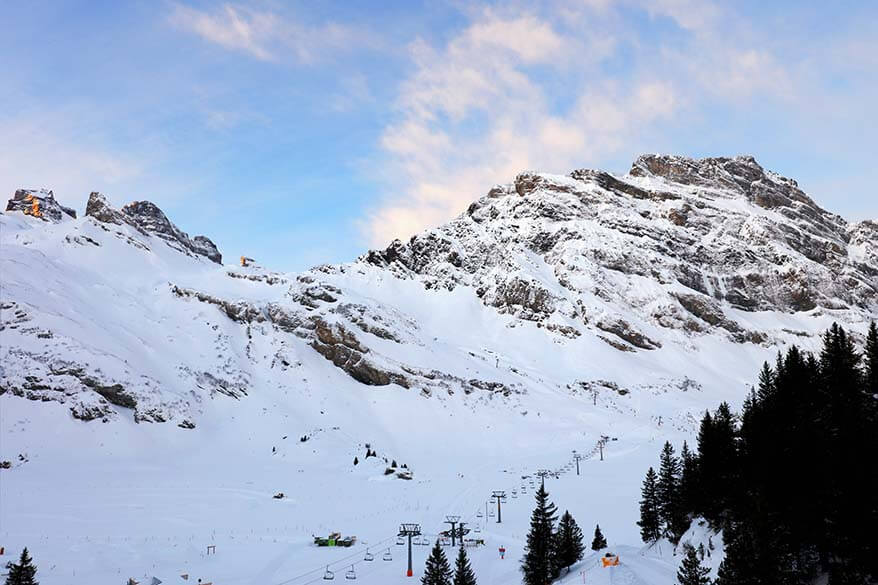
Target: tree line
[{"x": 792, "y": 481}]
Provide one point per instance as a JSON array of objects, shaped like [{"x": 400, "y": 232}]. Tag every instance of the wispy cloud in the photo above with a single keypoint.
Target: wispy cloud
[
  {"x": 268, "y": 35},
  {"x": 478, "y": 110}
]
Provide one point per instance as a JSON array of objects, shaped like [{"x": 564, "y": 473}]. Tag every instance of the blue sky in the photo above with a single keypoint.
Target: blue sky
[{"x": 299, "y": 133}]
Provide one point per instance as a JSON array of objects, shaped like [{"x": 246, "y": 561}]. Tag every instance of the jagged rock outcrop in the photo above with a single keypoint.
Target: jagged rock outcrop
[
  {"x": 41, "y": 204},
  {"x": 99, "y": 208},
  {"x": 149, "y": 219},
  {"x": 676, "y": 243}
]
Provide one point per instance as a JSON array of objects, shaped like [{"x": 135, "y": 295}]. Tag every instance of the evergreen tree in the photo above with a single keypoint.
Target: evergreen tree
[
  {"x": 688, "y": 480},
  {"x": 650, "y": 524},
  {"x": 437, "y": 571},
  {"x": 537, "y": 566},
  {"x": 22, "y": 573},
  {"x": 668, "y": 491},
  {"x": 754, "y": 476},
  {"x": 568, "y": 543},
  {"x": 691, "y": 572},
  {"x": 599, "y": 542},
  {"x": 717, "y": 465},
  {"x": 463, "y": 572},
  {"x": 871, "y": 360}
]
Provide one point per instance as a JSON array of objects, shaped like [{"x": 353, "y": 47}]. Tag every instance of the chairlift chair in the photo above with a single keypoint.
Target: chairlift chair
[
  {"x": 328, "y": 575},
  {"x": 400, "y": 540},
  {"x": 369, "y": 556},
  {"x": 479, "y": 514},
  {"x": 491, "y": 514},
  {"x": 387, "y": 556},
  {"x": 477, "y": 528},
  {"x": 351, "y": 575}
]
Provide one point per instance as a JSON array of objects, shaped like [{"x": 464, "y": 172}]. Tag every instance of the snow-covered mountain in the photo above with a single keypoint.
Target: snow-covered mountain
[
  {"x": 674, "y": 253},
  {"x": 554, "y": 310}
]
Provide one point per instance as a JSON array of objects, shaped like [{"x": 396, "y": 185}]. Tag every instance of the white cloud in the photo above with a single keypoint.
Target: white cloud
[
  {"x": 235, "y": 28},
  {"x": 267, "y": 35},
  {"x": 476, "y": 111}
]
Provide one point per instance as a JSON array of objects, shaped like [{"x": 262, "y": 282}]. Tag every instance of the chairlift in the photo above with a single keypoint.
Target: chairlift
[
  {"x": 479, "y": 514},
  {"x": 328, "y": 575},
  {"x": 387, "y": 556},
  {"x": 477, "y": 528},
  {"x": 351, "y": 575},
  {"x": 491, "y": 514},
  {"x": 400, "y": 540},
  {"x": 369, "y": 556}
]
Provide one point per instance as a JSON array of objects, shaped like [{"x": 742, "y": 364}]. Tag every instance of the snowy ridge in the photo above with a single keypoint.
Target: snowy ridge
[{"x": 554, "y": 310}]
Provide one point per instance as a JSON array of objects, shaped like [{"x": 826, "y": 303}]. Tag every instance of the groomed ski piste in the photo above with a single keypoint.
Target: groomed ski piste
[{"x": 140, "y": 503}]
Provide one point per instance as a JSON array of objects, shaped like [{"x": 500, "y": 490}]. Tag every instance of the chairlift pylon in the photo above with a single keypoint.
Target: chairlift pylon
[
  {"x": 351, "y": 575},
  {"x": 387, "y": 556},
  {"x": 328, "y": 575}
]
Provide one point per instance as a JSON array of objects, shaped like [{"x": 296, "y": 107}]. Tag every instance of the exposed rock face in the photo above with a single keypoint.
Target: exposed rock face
[
  {"x": 149, "y": 219},
  {"x": 204, "y": 246},
  {"x": 99, "y": 208},
  {"x": 39, "y": 203},
  {"x": 676, "y": 243}
]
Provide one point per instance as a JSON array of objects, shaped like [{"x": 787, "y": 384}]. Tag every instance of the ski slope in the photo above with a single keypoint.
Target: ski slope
[{"x": 109, "y": 518}]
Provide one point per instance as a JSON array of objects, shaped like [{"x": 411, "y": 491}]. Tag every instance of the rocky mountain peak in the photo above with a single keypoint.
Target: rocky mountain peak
[
  {"x": 99, "y": 208},
  {"x": 146, "y": 217},
  {"x": 738, "y": 174},
  {"x": 39, "y": 203},
  {"x": 678, "y": 243}
]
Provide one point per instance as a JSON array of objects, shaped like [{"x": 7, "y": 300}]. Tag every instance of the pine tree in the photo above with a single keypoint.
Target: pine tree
[
  {"x": 437, "y": 571},
  {"x": 688, "y": 480},
  {"x": 650, "y": 527},
  {"x": 668, "y": 491},
  {"x": 22, "y": 573},
  {"x": 870, "y": 366},
  {"x": 537, "y": 565},
  {"x": 691, "y": 572},
  {"x": 599, "y": 542},
  {"x": 463, "y": 572},
  {"x": 568, "y": 543},
  {"x": 766, "y": 383}
]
